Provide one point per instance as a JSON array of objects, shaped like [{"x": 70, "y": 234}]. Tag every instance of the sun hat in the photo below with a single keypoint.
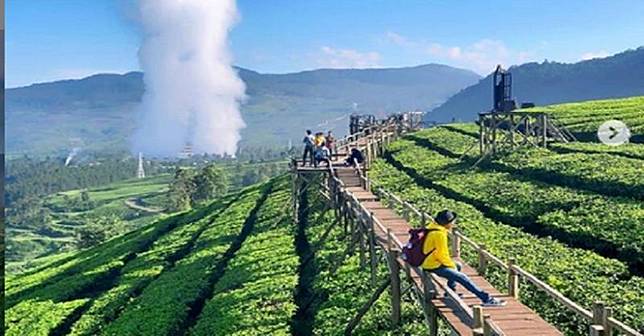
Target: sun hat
[{"x": 444, "y": 217}]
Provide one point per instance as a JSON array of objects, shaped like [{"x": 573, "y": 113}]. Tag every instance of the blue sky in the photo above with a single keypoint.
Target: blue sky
[{"x": 56, "y": 39}]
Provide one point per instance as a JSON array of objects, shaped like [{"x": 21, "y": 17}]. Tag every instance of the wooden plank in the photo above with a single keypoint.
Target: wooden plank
[{"x": 513, "y": 319}]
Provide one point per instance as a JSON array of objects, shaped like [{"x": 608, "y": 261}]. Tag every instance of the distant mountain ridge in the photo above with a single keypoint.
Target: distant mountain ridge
[
  {"x": 101, "y": 110},
  {"x": 621, "y": 75}
]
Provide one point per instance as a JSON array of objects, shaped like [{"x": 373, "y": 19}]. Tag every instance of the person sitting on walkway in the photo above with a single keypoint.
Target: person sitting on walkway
[
  {"x": 355, "y": 158},
  {"x": 309, "y": 146},
  {"x": 439, "y": 262},
  {"x": 322, "y": 155}
]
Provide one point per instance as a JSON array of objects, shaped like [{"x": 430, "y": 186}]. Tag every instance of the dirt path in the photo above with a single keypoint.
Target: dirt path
[{"x": 136, "y": 204}]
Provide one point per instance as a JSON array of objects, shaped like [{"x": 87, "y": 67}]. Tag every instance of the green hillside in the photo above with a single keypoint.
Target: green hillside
[
  {"x": 116, "y": 205},
  {"x": 584, "y": 118},
  {"x": 231, "y": 268},
  {"x": 572, "y": 215}
]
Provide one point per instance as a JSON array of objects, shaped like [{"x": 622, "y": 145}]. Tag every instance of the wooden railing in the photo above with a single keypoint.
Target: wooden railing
[
  {"x": 600, "y": 318},
  {"x": 367, "y": 226}
]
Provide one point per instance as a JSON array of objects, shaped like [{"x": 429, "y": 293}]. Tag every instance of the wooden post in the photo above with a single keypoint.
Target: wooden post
[
  {"x": 405, "y": 206},
  {"x": 477, "y": 316},
  {"x": 363, "y": 259},
  {"x": 296, "y": 196},
  {"x": 596, "y": 330},
  {"x": 350, "y": 224},
  {"x": 394, "y": 269},
  {"x": 367, "y": 181},
  {"x": 487, "y": 328},
  {"x": 600, "y": 318},
  {"x": 431, "y": 314},
  {"x": 545, "y": 130},
  {"x": 493, "y": 133},
  {"x": 513, "y": 280},
  {"x": 456, "y": 244},
  {"x": 482, "y": 266},
  {"x": 372, "y": 248},
  {"x": 481, "y": 134},
  {"x": 608, "y": 313},
  {"x": 363, "y": 310},
  {"x": 368, "y": 160}
]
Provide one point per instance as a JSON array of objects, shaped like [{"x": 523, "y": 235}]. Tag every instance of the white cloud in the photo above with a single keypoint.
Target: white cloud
[
  {"x": 597, "y": 54},
  {"x": 347, "y": 58},
  {"x": 481, "y": 56}
]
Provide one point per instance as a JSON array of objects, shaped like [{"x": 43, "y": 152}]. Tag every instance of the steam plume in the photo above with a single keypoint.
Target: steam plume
[
  {"x": 192, "y": 93},
  {"x": 71, "y": 155}
]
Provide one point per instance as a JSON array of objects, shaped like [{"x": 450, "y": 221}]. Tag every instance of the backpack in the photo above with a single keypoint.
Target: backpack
[{"x": 412, "y": 252}]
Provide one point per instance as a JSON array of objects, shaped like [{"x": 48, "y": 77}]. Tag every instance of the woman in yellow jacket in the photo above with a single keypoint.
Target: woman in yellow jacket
[{"x": 439, "y": 261}]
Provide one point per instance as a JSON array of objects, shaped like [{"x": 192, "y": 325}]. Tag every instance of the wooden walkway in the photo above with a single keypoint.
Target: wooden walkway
[
  {"x": 512, "y": 319},
  {"x": 377, "y": 229}
]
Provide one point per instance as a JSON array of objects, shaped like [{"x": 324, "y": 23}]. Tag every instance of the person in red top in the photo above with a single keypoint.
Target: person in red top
[{"x": 330, "y": 144}]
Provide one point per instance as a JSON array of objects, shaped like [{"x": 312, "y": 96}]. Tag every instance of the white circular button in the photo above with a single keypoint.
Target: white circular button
[{"x": 613, "y": 133}]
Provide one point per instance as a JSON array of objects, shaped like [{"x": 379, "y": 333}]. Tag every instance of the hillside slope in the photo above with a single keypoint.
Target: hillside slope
[
  {"x": 239, "y": 266},
  {"x": 621, "y": 75},
  {"x": 101, "y": 111}
]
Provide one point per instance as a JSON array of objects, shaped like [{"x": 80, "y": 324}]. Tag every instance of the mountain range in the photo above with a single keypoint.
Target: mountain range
[
  {"x": 617, "y": 76},
  {"x": 100, "y": 111}
]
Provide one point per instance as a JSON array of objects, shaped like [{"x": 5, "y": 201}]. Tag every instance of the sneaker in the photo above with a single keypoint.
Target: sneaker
[{"x": 493, "y": 302}]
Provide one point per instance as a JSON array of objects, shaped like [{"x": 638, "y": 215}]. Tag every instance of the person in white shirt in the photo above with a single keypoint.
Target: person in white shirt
[{"x": 309, "y": 146}]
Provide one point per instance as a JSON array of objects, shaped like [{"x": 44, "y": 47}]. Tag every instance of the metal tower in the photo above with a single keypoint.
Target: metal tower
[{"x": 140, "y": 173}]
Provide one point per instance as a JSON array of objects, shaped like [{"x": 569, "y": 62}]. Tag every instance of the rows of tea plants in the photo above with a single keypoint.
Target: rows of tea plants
[
  {"x": 255, "y": 294},
  {"x": 141, "y": 271},
  {"x": 469, "y": 129},
  {"x": 39, "y": 317},
  {"x": 78, "y": 280},
  {"x": 635, "y": 151},
  {"x": 342, "y": 286},
  {"x": 613, "y": 226},
  {"x": 164, "y": 305},
  {"x": 581, "y": 275},
  {"x": 602, "y": 173},
  {"x": 592, "y": 106}
]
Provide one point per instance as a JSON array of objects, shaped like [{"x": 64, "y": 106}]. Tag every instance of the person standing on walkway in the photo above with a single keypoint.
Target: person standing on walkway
[
  {"x": 309, "y": 146},
  {"x": 439, "y": 262},
  {"x": 319, "y": 139},
  {"x": 330, "y": 144}
]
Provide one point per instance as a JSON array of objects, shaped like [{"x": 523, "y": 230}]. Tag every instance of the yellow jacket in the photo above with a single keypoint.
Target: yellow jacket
[{"x": 437, "y": 241}]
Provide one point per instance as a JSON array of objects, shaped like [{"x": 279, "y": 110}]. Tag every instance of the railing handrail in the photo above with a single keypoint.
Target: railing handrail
[{"x": 553, "y": 293}]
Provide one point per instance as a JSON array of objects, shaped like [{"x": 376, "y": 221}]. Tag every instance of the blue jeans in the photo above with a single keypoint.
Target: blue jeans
[{"x": 454, "y": 275}]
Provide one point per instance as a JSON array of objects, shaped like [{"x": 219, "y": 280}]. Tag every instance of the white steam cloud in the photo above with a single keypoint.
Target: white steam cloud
[{"x": 192, "y": 92}]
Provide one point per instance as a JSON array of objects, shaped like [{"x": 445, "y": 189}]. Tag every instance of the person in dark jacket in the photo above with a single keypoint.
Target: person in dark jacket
[
  {"x": 309, "y": 146},
  {"x": 355, "y": 158}
]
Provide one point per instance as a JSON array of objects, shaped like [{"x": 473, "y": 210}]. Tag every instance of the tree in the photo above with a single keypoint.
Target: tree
[
  {"x": 84, "y": 196},
  {"x": 98, "y": 230},
  {"x": 211, "y": 182},
  {"x": 252, "y": 176},
  {"x": 180, "y": 190}
]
